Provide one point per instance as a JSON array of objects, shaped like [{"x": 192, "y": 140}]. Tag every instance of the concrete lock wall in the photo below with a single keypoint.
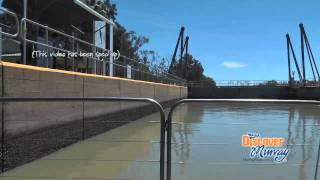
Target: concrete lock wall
[
  {"x": 241, "y": 92},
  {"x": 28, "y": 81},
  {"x": 308, "y": 93}
]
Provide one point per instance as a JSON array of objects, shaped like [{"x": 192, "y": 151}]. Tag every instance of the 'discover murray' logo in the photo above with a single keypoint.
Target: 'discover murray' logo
[{"x": 265, "y": 148}]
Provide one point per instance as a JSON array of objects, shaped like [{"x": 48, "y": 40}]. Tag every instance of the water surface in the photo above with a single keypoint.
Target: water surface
[
  {"x": 206, "y": 145},
  {"x": 207, "y": 141}
]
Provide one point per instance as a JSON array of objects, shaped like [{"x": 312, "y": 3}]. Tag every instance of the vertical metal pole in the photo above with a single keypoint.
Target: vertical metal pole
[
  {"x": 162, "y": 145},
  {"x": 24, "y": 31},
  {"x": 169, "y": 136},
  {"x": 2, "y": 130},
  {"x": 289, "y": 61},
  {"x": 2, "y": 109},
  {"x": 302, "y": 54},
  {"x": 78, "y": 58},
  {"x": 104, "y": 64},
  {"x": 2, "y": 120},
  {"x": 83, "y": 111},
  {"x": 111, "y": 51},
  {"x": 125, "y": 69},
  {"x": 47, "y": 43},
  {"x": 73, "y": 60},
  {"x": 1, "y": 44},
  {"x": 94, "y": 60}
]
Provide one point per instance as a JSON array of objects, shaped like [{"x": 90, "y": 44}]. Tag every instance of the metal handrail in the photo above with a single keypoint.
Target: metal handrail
[
  {"x": 75, "y": 39},
  {"x": 14, "y": 15},
  {"x": 71, "y": 37},
  {"x": 184, "y": 101},
  {"x": 92, "y": 99},
  {"x": 24, "y": 20},
  {"x": 254, "y": 83},
  {"x": 250, "y": 82}
]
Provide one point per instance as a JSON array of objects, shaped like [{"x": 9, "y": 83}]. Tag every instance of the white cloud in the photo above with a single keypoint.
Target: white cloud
[{"x": 234, "y": 64}]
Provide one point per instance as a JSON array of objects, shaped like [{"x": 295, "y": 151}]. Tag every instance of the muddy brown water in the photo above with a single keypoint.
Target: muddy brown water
[{"x": 206, "y": 145}]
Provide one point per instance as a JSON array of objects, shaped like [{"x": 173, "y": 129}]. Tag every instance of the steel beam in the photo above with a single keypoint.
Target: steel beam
[
  {"x": 186, "y": 48},
  {"x": 294, "y": 57},
  {"x": 302, "y": 54},
  {"x": 173, "y": 60},
  {"x": 310, "y": 54},
  {"x": 289, "y": 61}
]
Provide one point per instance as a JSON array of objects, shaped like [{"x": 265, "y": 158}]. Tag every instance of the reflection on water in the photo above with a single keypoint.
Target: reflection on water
[
  {"x": 206, "y": 145},
  {"x": 207, "y": 140}
]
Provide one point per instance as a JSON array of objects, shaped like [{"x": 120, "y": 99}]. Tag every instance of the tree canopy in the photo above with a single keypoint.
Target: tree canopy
[{"x": 192, "y": 70}]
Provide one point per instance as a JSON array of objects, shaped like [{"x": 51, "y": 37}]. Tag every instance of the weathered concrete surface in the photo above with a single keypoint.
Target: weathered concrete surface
[
  {"x": 33, "y": 130},
  {"x": 28, "y": 81},
  {"x": 310, "y": 93},
  {"x": 255, "y": 92}
]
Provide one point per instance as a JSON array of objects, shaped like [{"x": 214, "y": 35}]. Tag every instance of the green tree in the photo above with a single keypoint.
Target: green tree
[
  {"x": 191, "y": 69},
  {"x": 128, "y": 43}
]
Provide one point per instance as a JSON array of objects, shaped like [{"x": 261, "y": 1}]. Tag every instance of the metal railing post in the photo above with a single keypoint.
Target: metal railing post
[
  {"x": 94, "y": 60},
  {"x": 111, "y": 51},
  {"x": 47, "y": 42},
  {"x": 0, "y": 43},
  {"x": 78, "y": 51},
  {"x": 24, "y": 31},
  {"x": 104, "y": 68},
  {"x": 73, "y": 50}
]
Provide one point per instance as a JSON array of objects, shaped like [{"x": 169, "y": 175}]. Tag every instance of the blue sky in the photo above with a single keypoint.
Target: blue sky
[{"x": 234, "y": 39}]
